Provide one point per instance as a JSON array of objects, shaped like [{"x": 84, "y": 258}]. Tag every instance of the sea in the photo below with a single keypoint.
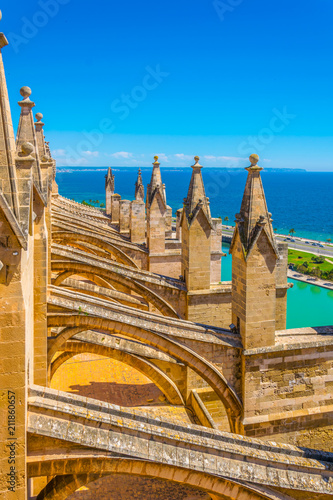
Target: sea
[{"x": 297, "y": 199}]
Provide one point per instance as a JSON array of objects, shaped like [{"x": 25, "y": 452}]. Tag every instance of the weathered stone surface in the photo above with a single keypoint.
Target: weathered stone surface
[{"x": 143, "y": 295}]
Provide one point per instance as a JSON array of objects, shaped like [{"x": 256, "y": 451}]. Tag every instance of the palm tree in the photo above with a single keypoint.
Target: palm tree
[
  {"x": 226, "y": 219},
  {"x": 292, "y": 231},
  {"x": 275, "y": 229},
  {"x": 329, "y": 240}
]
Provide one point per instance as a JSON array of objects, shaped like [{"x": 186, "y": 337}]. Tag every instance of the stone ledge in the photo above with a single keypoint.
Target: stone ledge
[
  {"x": 288, "y": 415},
  {"x": 218, "y": 289}
]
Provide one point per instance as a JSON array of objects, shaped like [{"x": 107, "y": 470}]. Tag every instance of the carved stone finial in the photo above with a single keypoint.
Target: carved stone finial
[
  {"x": 0, "y": 15},
  {"x": 27, "y": 149},
  {"x": 262, "y": 220},
  {"x": 39, "y": 117},
  {"x": 25, "y": 92},
  {"x": 197, "y": 164},
  {"x": 26, "y": 104},
  {"x": 156, "y": 162},
  {"x": 254, "y": 158}
]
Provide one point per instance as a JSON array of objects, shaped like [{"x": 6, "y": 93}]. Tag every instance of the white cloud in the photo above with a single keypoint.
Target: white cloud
[
  {"x": 230, "y": 158},
  {"x": 182, "y": 156},
  {"x": 91, "y": 153},
  {"x": 58, "y": 152},
  {"x": 121, "y": 154},
  {"x": 68, "y": 159},
  {"x": 223, "y": 158}
]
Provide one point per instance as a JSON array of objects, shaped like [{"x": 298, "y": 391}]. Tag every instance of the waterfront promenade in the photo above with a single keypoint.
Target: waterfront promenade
[
  {"x": 310, "y": 280},
  {"x": 298, "y": 244},
  {"x": 327, "y": 251}
]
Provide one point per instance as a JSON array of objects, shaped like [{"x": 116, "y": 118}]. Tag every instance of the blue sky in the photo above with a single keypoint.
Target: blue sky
[{"x": 118, "y": 82}]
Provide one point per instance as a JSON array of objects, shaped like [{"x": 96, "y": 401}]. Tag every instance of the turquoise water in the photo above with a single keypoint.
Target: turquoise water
[{"x": 307, "y": 305}]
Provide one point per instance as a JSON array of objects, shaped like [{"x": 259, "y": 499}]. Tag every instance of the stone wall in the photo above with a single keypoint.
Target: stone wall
[
  {"x": 196, "y": 252},
  {"x": 254, "y": 292},
  {"x": 156, "y": 225},
  {"x": 287, "y": 393},
  {"x": 212, "y": 306},
  {"x": 124, "y": 216},
  {"x": 167, "y": 264},
  {"x": 138, "y": 223},
  {"x": 115, "y": 200},
  {"x": 123, "y": 487},
  {"x": 17, "y": 355},
  {"x": 40, "y": 294}
]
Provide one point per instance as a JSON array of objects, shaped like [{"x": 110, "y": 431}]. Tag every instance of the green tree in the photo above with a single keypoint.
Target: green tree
[
  {"x": 318, "y": 259},
  {"x": 302, "y": 269},
  {"x": 329, "y": 240},
  {"x": 102, "y": 205},
  {"x": 329, "y": 275},
  {"x": 226, "y": 219},
  {"x": 275, "y": 229},
  {"x": 292, "y": 231},
  {"x": 315, "y": 271}
]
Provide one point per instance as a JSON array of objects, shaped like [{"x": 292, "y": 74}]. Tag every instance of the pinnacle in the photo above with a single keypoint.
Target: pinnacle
[{"x": 196, "y": 196}]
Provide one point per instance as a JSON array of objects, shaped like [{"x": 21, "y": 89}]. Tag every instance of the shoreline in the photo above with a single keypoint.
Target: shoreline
[
  {"x": 310, "y": 280},
  {"x": 298, "y": 239}
]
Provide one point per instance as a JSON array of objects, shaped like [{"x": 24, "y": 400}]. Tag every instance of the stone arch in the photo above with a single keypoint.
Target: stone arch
[
  {"x": 68, "y": 237},
  {"x": 147, "y": 368},
  {"x": 84, "y": 269},
  {"x": 97, "y": 280},
  {"x": 136, "y": 252},
  {"x": 105, "y": 291},
  {"x": 88, "y": 468},
  {"x": 76, "y": 323}
]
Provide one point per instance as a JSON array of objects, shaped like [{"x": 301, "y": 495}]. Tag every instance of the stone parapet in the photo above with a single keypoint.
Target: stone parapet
[
  {"x": 138, "y": 222},
  {"x": 115, "y": 200},
  {"x": 124, "y": 216}
]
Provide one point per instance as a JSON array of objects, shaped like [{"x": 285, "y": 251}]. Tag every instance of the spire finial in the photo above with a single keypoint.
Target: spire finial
[
  {"x": 25, "y": 92},
  {"x": 26, "y": 102},
  {"x": 197, "y": 164},
  {"x": 139, "y": 188},
  {"x": 156, "y": 162},
  {"x": 39, "y": 124},
  {"x": 254, "y": 158},
  {"x": 27, "y": 148},
  {"x": 3, "y": 39}
]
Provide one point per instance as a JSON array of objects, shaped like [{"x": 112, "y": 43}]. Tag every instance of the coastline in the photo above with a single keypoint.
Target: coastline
[
  {"x": 310, "y": 280},
  {"x": 293, "y": 211}
]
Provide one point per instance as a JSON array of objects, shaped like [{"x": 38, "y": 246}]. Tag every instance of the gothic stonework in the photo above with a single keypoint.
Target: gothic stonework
[{"x": 121, "y": 374}]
